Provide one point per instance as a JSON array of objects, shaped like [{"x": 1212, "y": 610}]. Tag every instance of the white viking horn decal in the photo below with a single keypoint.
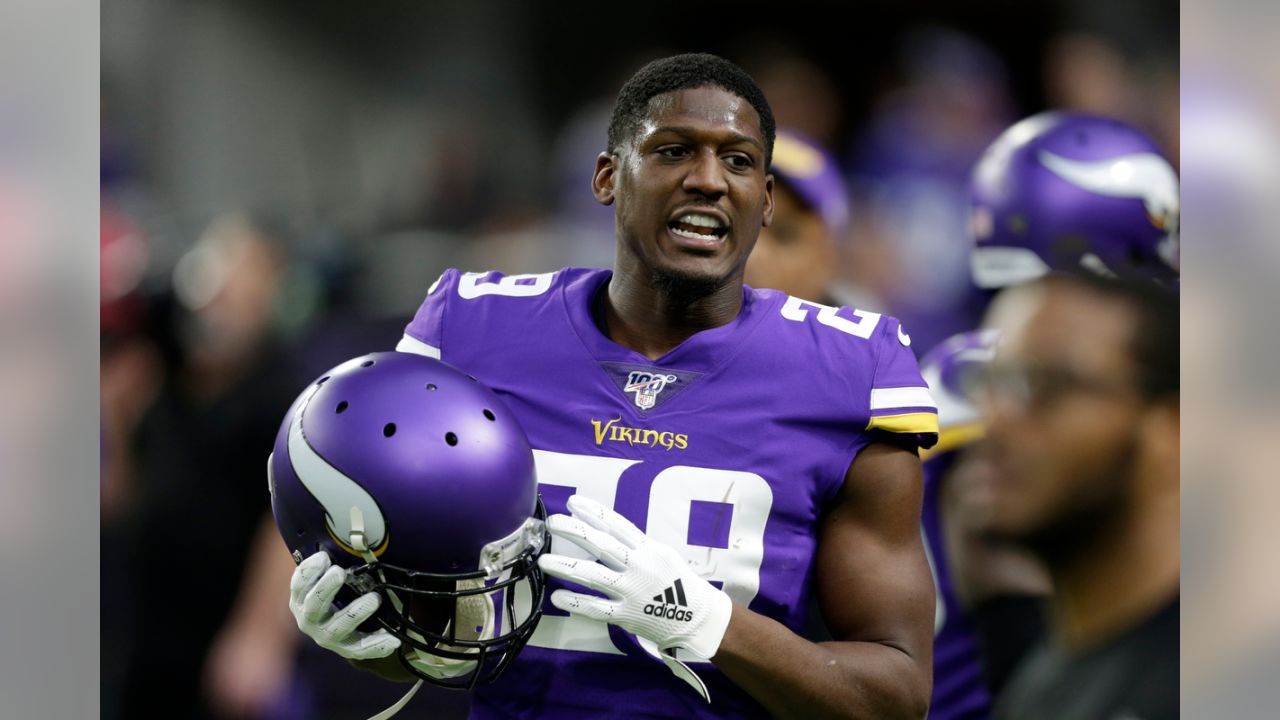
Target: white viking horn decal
[
  {"x": 337, "y": 493},
  {"x": 1140, "y": 175}
]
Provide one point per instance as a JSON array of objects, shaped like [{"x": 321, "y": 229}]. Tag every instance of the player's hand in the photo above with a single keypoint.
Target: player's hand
[
  {"x": 652, "y": 592},
  {"x": 314, "y": 584}
]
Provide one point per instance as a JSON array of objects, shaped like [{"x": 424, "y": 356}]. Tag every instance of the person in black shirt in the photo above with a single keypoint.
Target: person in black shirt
[{"x": 1081, "y": 404}]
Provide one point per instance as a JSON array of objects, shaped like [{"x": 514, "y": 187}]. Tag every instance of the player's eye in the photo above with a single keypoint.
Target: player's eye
[
  {"x": 674, "y": 152},
  {"x": 738, "y": 161}
]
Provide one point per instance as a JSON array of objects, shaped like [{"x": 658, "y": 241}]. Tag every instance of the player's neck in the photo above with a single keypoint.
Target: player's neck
[
  {"x": 637, "y": 314},
  {"x": 1127, "y": 576}
]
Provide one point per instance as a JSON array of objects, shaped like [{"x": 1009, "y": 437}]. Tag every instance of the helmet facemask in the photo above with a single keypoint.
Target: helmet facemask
[{"x": 460, "y": 630}]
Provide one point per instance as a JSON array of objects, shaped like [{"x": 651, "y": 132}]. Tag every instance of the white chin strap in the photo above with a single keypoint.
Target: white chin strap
[
  {"x": 474, "y": 613},
  {"x": 357, "y": 541},
  {"x": 475, "y": 617},
  {"x": 386, "y": 714}
]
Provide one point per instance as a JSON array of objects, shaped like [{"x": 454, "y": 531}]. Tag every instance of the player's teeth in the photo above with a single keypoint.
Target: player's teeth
[
  {"x": 700, "y": 220},
  {"x": 693, "y": 235}
]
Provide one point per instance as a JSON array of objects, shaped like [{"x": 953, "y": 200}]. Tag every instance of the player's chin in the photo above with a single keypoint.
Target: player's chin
[{"x": 692, "y": 276}]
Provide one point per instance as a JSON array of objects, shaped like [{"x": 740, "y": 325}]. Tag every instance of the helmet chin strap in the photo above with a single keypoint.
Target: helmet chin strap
[
  {"x": 386, "y": 714},
  {"x": 357, "y": 537},
  {"x": 438, "y": 667},
  {"x": 357, "y": 541}
]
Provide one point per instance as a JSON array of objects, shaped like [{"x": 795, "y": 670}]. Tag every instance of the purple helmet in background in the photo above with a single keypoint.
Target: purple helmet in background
[
  {"x": 419, "y": 481},
  {"x": 812, "y": 173},
  {"x": 952, "y": 370},
  {"x": 1072, "y": 192}
]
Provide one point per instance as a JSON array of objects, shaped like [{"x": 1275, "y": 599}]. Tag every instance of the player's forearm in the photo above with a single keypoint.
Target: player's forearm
[{"x": 794, "y": 678}]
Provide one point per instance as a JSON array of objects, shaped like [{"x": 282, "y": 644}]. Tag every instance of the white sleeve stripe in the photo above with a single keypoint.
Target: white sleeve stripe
[
  {"x": 886, "y": 398},
  {"x": 410, "y": 344}
]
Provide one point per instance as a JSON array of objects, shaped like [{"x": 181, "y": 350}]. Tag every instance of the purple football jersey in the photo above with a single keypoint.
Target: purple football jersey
[{"x": 728, "y": 448}]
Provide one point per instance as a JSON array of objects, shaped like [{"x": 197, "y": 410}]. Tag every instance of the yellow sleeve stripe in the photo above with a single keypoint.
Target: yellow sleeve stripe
[
  {"x": 954, "y": 438},
  {"x": 905, "y": 423}
]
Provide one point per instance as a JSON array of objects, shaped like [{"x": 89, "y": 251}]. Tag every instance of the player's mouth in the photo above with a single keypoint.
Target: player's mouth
[{"x": 698, "y": 230}]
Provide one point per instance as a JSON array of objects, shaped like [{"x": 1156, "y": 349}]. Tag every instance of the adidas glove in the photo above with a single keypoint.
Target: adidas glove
[
  {"x": 314, "y": 584},
  {"x": 652, "y": 592}
]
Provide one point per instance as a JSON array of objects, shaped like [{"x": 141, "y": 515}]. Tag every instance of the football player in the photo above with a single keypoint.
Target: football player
[
  {"x": 1056, "y": 192},
  {"x": 705, "y": 450}
]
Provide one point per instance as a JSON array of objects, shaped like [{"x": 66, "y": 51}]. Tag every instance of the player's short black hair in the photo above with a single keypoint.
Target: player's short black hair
[
  {"x": 1153, "y": 347},
  {"x": 683, "y": 72}
]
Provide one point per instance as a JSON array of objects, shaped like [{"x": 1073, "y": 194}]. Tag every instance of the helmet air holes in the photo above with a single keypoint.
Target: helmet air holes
[
  {"x": 323, "y": 380},
  {"x": 367, "y": 363},
  {"x": 342, "y": 407},
  {"x": 431, "y": 387},
  {"x": 451, "y": 439},
  {"x": 389, "y": 429},
  {"x": 489, "y": 414}
]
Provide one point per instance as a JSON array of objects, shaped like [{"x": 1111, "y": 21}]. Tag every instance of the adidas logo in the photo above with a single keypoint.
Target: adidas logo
[{"x": 669, "y": 603}]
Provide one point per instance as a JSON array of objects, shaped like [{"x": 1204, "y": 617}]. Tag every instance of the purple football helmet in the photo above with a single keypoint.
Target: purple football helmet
[
  {"x": 953, "y": 369},
  {"x": 420, "y": 482},
  {"x": 1072, "y": 192}
]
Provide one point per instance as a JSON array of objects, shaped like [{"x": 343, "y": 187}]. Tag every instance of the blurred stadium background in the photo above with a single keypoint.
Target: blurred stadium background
[{"x": 281, "y": 182}]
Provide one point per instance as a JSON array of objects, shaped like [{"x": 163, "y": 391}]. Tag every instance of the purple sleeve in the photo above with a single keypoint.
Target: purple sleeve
[
  {"x": 425, "y": 333},
  {"x": 900, "y": 401}
]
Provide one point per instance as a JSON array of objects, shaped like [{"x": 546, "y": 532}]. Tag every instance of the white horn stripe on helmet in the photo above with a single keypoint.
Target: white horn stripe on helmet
[
  {"x": 1146, "y": 176},
  {"x": 335, "y": 492}
]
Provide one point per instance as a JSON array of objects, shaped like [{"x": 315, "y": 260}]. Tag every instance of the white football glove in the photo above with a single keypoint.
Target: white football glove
[
  {"x": 315, "y": 583},
  {"x": 652, "y": 591}
]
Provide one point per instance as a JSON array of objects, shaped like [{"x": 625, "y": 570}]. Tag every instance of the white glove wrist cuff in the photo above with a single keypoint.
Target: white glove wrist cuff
[{"x": 706, "y": 641}]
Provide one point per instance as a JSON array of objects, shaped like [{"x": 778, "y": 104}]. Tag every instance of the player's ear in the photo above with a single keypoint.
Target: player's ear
[
  {"x": 768, "y": 200},
  {"x": 602, "y": 180}
]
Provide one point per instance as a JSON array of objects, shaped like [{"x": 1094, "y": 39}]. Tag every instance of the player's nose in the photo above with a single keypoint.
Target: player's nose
[{"x": 706, "y": 175}]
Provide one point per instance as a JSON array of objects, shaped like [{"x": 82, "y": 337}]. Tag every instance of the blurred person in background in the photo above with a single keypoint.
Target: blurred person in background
[
  {"x": 1083, "y": 445},
  {"x": 798, "y": 252},
  {"x": 196, "y": 487},
  {"x": 1058, "y": 191}
]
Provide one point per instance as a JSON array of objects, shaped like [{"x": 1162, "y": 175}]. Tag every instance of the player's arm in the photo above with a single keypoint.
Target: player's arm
[{"x": 877, "y": 596}]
